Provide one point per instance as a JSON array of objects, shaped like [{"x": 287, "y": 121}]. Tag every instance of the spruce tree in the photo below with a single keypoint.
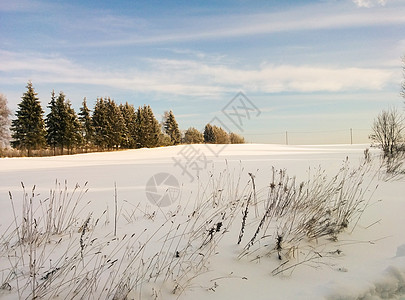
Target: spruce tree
[
  {"x": 100, "y": 123},
  {"x": 140, "y": 128},
  {"x": 171, "y": 127},
  {"x": 155, "y": 131},
  {"x": 28, "y": 129},
  {"x": 148, "y": 130},
  {"x": 72, "y": 128},
  {"x": 56, "y": 121},
  {"x": 116, "y": 129},
  {"x": 109, "y": 125},
  {"x": 53, "y": 123},
  {"x": 63, "y": 126},
  {"x": 209, "y": 135},
  {"x": 4, "y": 122},
  {"x": 86, "y": 125},
  {"x": 129, "y": 116}
]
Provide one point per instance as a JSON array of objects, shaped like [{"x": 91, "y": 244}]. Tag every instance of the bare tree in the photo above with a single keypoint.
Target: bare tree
[
  {"x": 5, "y": 122},
  {"x": 236, "y": 138},
  {"x": 388, "y": 128},
  {"x": 403, "y": 80},
  {"x": 193, "y": 136}
]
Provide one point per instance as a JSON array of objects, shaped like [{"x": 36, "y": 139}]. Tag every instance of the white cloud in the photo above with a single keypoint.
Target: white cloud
[
  {"x": 54, "y": 69},
  {"x": 195, "y": 78},
  {"x": 276, "y": 78},
  {"x": 309, "y": 17},
  {"x": 370, "y": 3}
]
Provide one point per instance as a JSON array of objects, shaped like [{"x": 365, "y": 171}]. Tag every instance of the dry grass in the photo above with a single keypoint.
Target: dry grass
[
  {"x": 55, "y": 250},
  {"x": 12, "y": 152},
  {"x": 294, "y": 215},
  {"x": 393, "y": 166}
]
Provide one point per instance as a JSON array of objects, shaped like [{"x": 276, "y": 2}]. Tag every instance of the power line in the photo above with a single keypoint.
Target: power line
[
  {"x": 307, "y": 132},
  {"x": 294, "y": 136}
]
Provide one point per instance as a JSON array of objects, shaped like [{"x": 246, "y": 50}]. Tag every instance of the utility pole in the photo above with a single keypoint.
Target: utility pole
[
  {"x": 351, "y": 136},
  {"x": 286, "y": 138}
]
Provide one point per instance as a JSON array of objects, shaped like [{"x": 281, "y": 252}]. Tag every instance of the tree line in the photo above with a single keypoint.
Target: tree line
[{"x": 108, "y": 126}]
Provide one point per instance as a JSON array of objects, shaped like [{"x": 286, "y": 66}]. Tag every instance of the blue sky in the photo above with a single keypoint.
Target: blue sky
[{"x": 312, "y": 68}]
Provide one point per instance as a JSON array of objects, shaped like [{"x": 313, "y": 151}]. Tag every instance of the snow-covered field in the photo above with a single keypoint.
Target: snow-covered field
[{"x": 187, "y": 247}]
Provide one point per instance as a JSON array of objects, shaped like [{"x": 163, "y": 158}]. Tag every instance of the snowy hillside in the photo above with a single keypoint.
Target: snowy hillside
[{"x": 203, "y": 222}]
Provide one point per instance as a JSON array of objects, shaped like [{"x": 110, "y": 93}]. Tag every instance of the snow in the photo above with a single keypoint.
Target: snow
[{"x": 370, "y": 263}]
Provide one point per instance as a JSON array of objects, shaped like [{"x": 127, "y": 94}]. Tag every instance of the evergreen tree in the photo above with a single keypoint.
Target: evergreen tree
[
  {"x": 109, "y": 124},
  {"x": 209, "y": 135},
  {"x": 28, "y": 130},
  {"x": 129, "y": 115},
  {"x": 140, "y": 128},
  {"x": 86, "y": 125},
  {"x": 100, "y": 123},
  {"x": 53, "y": 123},
  {"x": 171, "y": 127},
  {"x": 148, "y": 131},
  {"x": 4, "y": 122},
  {"x": 72, "y": 136},
  {"x": 116, "y": 129},
  {"x": 63, "y": 126},
  {"x": 193, "y": 136}
]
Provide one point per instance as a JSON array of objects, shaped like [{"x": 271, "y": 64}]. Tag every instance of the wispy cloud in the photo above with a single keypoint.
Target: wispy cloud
[
  {"x": 370, "y": 3},
  {"x": 301, "y": 18},
  {"x": 54, "y": 69},
  {"x": 195, "y": 78},
  {"x": 276, "y": 78},
  {"x": 19, "y": 5}
]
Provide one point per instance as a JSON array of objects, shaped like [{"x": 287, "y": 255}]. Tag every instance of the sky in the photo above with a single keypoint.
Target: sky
[{"x": 302, "y": 72}]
